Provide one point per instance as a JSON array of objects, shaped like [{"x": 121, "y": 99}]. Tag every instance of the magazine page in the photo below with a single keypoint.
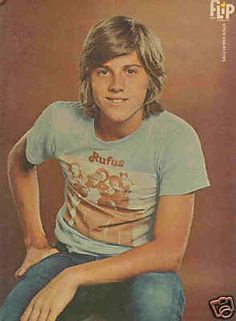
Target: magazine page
[{"x": 122, "y": 117}]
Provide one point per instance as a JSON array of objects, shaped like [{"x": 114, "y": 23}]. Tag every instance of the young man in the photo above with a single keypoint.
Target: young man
[{"x": 131, "y": 169}]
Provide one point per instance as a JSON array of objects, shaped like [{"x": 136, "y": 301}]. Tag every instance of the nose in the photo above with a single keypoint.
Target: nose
[{"x": 117, "y": 83}]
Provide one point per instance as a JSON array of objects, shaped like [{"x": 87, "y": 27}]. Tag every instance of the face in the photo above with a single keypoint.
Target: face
[{"x": 119, "y": 88}]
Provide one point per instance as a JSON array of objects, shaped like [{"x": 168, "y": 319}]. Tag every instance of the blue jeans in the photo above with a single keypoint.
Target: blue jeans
[{"x": 147, "y": 297}]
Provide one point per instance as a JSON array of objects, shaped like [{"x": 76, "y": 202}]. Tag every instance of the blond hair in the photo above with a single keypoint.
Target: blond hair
[{"x": 118, "y": 36}]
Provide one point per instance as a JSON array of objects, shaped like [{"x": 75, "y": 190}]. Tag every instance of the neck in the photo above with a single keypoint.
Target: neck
[{"x": 108, "y": 130}]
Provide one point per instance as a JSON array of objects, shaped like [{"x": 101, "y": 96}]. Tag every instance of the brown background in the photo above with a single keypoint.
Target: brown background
[{"x": 39, "y": 48}]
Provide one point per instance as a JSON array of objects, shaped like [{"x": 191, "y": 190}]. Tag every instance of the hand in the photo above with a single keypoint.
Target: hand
[
  {"x": 51, "y": 300},
  {"x": 33, "y": 256}
]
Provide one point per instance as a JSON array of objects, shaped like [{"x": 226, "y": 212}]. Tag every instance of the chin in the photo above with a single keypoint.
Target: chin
[{"x": 119, "y": 118}]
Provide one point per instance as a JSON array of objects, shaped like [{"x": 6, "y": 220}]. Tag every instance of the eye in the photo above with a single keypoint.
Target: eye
[
  {"x": 131, "y": 71},
  {"x": 102, "y": 72}
]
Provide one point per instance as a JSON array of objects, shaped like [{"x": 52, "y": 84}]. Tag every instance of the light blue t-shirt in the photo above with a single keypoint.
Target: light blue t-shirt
[{"x": 112, "y": 188}]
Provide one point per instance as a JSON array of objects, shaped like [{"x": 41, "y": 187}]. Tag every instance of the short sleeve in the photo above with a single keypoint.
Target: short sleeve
[
  {"x": 182, "y": 166},
  {"x": 40, "y": 140}
]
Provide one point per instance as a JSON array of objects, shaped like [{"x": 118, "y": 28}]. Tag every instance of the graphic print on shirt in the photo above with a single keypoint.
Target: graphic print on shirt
[
  {"x": 112, "y": 190},
  {"x": 102, "y": 199}
]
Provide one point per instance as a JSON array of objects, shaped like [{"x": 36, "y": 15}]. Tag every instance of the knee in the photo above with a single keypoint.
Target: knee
[
  {"x": 157, "y": 296},
  {"x": 49, "y": 267}
]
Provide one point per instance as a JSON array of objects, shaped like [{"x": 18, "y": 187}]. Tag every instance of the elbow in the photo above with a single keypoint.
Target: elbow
[
  {"x": 173, "y": 264},
  {"x": 167, "y": 259},
  {"x": 177, "y": 263},
  {"x": 176, "y": 259}
]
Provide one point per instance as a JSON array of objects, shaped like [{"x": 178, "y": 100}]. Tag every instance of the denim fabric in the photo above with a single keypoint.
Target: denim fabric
[{"x": 147, "y": 297}]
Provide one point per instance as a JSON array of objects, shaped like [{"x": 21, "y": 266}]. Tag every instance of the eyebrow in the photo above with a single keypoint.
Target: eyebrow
[{"x": 125, "y": 66}]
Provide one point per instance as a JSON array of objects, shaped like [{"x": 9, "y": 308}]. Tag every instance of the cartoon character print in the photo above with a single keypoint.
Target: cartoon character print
[
  {"x": 126, "y": 182},
  {"x": 105, "y": 191},
  {"x": 92, "y": 181},
  {"x": 114, "y": 190},
  {"x": 76, "y": 179},
  {"x": 119, "y": 195},
  {"x": 110, "y": 190},
  {"x": 76, "y": 187}
]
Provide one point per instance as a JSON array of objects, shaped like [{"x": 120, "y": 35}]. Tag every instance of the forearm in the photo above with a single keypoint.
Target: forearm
[
  {"x": 163, "y": 254},
  {"x": 25, "y": 192},
  {"x": 150, "y": 257}
]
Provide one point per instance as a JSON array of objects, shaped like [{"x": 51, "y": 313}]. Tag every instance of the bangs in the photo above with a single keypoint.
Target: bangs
[{"x": 109, "y": 40}]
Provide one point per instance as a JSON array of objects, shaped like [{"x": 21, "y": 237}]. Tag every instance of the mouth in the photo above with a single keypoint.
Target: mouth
[{"x": 116, "y": 100}]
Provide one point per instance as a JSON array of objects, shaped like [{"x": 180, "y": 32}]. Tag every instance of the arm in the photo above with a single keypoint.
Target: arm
[
  {"x": 164, "y": 253},
  {"x": 24, "y": 186}
]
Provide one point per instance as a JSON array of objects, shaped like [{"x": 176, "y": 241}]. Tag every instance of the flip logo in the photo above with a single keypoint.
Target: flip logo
[{"x": 221, "y": 10}]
